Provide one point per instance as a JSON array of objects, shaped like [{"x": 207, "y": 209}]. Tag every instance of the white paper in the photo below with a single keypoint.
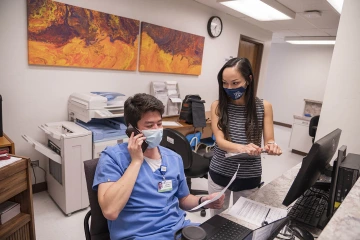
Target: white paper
[
  {"x": 172, "y": 93},
  {"x": 219, "y": 194},
  {"x": 171, "y": 85},
  {"x": 170, "y": 124},
  {"x": 255, "y": 212},
  {"x": 3, "y": 163},
  {"x": 175, "y": 100},
  {"x": 159, "y": 86}
]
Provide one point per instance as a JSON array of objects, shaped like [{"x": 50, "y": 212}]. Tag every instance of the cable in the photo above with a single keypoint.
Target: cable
[
  {"x": 43, "y": 170},
  {"x": 33, "y": 172}
]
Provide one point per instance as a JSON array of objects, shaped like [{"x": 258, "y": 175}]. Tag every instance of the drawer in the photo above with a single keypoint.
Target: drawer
[
  {"x": 302, "y": 122},
  {"x": 13, "y": 185}
]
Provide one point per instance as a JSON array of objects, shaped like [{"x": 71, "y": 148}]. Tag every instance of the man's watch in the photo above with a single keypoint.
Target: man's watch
[{"x": 200, "y": 203}]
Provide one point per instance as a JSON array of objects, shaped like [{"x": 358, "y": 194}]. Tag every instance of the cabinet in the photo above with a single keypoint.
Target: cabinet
[
  {"x": 15, "y": 185},
  {"x": 300, "y": 139},
  {"x": 5, "y": 142}
]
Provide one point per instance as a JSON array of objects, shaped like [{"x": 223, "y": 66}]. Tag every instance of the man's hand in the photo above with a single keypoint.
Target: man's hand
[
  {"x": 214, "y": 205},
  {"x": 134, "y": 147}
]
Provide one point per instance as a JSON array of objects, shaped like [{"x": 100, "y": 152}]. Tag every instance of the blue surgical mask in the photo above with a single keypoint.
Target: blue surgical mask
[
  {"x": 153, "y": 137},
  {"x": 235, "y": 93}
]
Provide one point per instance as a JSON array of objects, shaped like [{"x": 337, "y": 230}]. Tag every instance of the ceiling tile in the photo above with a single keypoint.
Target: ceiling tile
[
  {"x": 311, "y": 33},
  {"x": 297, "y": 23},
  {"x": 328, "y": 19},
  {"x": 271, "y": 26},
  {"x": 330, "y": 31},
  {"x": 300, "y": 6},
  {"x": 277, "y": 40},
  {"x": 284, "y": 33}
]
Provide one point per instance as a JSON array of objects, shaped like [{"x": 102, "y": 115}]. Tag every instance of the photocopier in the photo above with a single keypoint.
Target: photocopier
[
  {"x": 102, "y": 114},
  {"x": 95, "y": 122},
  {"x": 68, "y": 146}
]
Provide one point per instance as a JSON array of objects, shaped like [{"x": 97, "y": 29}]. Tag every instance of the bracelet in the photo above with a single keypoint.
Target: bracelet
[
  {"x": 271, "y": 143},
  {"x": 199, "y": 202}
]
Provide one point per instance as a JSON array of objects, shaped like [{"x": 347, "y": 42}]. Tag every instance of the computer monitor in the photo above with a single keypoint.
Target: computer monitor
[
  {"x": 334, "y": 176},
  {"x": 313, "y": 164}
]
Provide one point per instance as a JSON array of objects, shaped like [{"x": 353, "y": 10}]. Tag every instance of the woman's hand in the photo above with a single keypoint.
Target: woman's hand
[
  {"x": 273, "y": 149},
  {"x": 250, "y": 149},
  {"x": 218, "y": 204},
  {"x": 134, "y": 147}
]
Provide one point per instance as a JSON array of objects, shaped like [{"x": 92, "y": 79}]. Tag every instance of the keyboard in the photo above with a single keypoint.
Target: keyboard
[
  {"x": 230, "y": 231},
  {"x": 310, "y": 207}
]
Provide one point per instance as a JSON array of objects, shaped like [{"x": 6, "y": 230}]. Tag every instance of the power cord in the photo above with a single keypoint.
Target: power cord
[{"x": 33, "y": 168}]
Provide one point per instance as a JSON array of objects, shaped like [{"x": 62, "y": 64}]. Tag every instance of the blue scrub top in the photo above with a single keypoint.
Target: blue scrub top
[{"x": 148, "y": 214}]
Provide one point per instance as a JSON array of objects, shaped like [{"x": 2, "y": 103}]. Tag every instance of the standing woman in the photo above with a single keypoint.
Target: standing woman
[{"x": 238, "y": 121}]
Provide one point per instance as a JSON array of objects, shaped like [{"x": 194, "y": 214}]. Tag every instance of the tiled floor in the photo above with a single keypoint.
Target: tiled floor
[{"x": 52, "y": 224}]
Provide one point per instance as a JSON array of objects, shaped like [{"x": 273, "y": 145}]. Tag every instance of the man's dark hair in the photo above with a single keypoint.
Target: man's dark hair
[{"x": 135, "y": 107}]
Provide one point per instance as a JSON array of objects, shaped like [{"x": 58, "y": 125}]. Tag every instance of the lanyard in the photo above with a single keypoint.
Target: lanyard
[{"x": 163, "y": 169}]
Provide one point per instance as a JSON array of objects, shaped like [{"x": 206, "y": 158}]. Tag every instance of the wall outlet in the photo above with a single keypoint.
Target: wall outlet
[{"x": 35, "y": 163}]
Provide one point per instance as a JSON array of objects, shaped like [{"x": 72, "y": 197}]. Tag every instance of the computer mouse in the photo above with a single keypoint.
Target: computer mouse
[{"x": 301, "y": 233}]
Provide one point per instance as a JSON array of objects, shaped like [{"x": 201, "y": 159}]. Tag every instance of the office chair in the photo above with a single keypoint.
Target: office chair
[
  {"x": 313, "y": 126},
  {"x": 195, "y": 166},
  {"x": 98, "y": 229}
]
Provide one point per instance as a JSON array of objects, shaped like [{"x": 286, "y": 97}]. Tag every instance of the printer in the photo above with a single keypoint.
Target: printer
[
  {"x": 68, "y": 146},
  {"x": 102, "y": 114}
]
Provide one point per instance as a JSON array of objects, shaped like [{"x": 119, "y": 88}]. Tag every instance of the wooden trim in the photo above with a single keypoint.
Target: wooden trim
[
  {"x": 282, "y": 124},
  {"x": 260, "y": 45},
  {"x": 39, "y": 187},
  {"x": 298, "y": 152}
]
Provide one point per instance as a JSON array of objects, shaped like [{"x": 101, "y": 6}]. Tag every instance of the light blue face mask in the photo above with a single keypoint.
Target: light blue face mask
[{"x": 153, "y": 137}]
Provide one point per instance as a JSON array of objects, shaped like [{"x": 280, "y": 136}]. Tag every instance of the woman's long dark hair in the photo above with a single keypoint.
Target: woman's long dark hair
[{"x": 253, "y": 133}]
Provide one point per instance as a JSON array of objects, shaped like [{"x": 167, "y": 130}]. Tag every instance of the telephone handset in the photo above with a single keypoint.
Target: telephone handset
[{"x": 130, "y": 129}]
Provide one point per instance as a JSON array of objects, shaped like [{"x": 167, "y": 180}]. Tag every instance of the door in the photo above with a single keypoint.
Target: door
[{"x": 252, "y": 50}]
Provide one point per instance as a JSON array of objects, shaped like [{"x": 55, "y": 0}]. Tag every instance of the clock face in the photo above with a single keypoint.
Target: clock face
[{"x": 215, "y": 26}]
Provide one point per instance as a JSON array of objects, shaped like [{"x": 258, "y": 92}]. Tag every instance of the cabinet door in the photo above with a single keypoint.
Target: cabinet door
[{"x": 300, "y": 139}]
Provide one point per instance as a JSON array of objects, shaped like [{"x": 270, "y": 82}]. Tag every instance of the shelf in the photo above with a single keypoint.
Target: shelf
[{"x": 13, "y": 225}]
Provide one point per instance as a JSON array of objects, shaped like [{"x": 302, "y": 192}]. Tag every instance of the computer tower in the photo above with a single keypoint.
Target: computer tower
[{"x": 349, "y": 171}]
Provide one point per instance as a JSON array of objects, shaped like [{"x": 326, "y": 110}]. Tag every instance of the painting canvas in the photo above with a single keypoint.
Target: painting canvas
[
  {"x": 64, "y": 35},
  {"x": 170, "y": 51}
]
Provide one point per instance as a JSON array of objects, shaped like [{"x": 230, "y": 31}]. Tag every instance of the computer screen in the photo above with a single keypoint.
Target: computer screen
[
  {"x": 313, "y": 164},
  {"x": 334, "y": 176}
]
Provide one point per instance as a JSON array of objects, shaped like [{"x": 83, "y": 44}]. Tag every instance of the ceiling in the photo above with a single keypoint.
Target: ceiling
[{"x": 326, "y": 25}]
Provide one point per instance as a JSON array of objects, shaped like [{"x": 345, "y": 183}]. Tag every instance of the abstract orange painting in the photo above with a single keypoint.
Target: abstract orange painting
[
  {"x": 63, "y": 35},
  {"x": 170, "y": 51}
]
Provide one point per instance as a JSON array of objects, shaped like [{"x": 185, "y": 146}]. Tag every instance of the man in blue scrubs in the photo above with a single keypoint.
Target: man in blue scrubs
[{"x": 144, "y": 195}]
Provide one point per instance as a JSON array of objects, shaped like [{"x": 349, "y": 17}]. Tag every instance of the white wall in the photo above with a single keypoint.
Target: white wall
[
  {"x": 34, "y": 95},
  {"x": 295, "y": 72},
  {"x": 341, "y": 107}
]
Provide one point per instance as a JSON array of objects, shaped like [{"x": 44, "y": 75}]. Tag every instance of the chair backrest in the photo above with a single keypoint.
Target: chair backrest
[
  {"x": 314, "y": 121},
  {"x": 177, "y": 142},
  {"x": 99, "y": 228}
]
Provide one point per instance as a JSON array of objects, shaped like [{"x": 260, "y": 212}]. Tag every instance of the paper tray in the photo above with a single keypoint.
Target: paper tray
[{"x": 104, "y": 129}]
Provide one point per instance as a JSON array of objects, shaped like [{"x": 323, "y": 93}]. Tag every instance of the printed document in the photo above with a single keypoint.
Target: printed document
[
  {"x": 255, "y": 212},
  {"x": 217, "y": 196}
]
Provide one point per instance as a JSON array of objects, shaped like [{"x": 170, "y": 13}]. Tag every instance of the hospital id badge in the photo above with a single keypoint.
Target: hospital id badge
[{"x": 165, "y": 186}]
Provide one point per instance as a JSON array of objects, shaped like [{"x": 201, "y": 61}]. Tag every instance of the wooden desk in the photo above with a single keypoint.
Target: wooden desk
[
  {"x": 15, "y": 185},
  {"x": 185, "y": 129},
  {"x": 5, "y": 141}
]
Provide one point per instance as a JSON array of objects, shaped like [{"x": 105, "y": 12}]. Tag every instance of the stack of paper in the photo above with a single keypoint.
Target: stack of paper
[
  {"x": 168, "y": 94},
  {"x": 174, "y": 102},
  {"x": 160, "y": 92}
]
